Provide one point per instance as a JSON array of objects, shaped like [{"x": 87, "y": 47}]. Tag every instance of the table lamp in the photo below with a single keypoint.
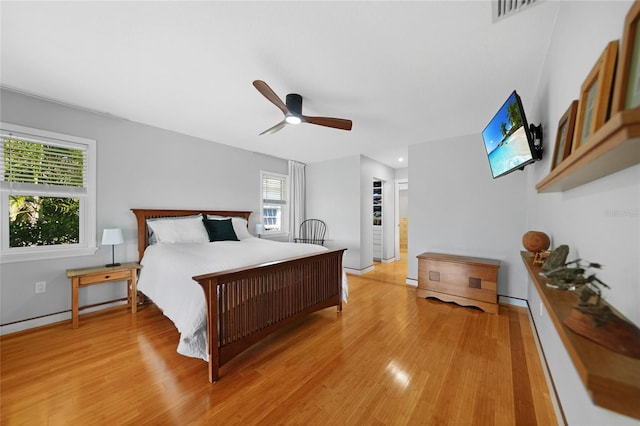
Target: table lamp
[{"x": 112, "y": 236}]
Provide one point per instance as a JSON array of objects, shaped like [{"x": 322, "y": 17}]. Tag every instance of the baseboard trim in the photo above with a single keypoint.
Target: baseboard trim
[
  {"x": 411, "y": 282},
  {"x": 513, "y": 301},
  {"x": 31, "y": 323},
  {"x": 358, "y": 271},
  {"x": 46, "y": 320},
  {"x": 553, "y": 392}
]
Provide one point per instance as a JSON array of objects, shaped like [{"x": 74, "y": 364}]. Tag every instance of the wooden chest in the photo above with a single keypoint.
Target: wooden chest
[{"x": 467, "y": 281}]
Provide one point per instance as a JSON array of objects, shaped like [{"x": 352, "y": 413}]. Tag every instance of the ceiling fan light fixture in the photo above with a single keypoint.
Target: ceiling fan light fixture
[
  {"x": 293, "y": 119},
  {"x": 292, "y": 111}
]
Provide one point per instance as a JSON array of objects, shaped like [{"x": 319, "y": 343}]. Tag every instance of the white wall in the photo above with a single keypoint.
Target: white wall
[
  {"x": 403, "y": 201},
  {"x": 457, "y": 207},
  {"x": 333, "y": 195},
  {"x": 138, "y": 166},
  {"x": 402, "y": 173},
  {"x": 339, "y": 192},
  {"x": 600, "y": 221}
]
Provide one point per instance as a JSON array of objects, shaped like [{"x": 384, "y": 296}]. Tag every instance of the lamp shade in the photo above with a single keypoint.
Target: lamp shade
[
  {"x": 112, "y": 236},
  {"x": 259, "y": 229}
]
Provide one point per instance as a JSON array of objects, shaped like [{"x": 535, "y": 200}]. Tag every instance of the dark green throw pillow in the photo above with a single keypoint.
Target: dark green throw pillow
[{"x": 220, "y": 230}]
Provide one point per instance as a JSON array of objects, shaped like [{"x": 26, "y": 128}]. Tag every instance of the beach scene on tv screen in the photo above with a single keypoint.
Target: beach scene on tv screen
[{"x": 505, "y": 139}]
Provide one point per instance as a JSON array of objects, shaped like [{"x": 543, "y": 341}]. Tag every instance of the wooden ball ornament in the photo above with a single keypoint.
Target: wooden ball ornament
[{"x": 536, "y": 241}]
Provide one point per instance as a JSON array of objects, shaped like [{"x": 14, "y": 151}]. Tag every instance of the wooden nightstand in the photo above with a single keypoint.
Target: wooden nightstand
[{"x": 83, "y": 277}]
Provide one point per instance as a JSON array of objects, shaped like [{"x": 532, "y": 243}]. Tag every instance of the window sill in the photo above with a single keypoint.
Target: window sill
[
  {"x": 36, "y": 254},
  {"x": 280, "y": 236}
]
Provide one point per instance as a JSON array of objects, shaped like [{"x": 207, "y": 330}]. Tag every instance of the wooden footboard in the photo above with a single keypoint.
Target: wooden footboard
[{"x": 246, "y": 304}]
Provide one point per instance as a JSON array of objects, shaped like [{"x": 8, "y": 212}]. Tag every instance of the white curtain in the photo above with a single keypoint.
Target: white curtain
[{"x": 297, "y": 191}]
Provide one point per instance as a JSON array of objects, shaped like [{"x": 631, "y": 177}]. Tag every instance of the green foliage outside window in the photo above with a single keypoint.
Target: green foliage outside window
[{"x": 41, "y": 221}]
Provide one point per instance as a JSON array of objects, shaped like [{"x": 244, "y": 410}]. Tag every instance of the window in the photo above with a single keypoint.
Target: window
[
  {"x": 274, "y": 202},
  {"x": 47, "y": 189}
]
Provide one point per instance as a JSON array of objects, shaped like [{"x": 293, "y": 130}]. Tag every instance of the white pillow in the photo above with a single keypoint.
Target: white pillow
[
  {"x": 239, "y": 226},
  {"x": 188, "y": 229}
]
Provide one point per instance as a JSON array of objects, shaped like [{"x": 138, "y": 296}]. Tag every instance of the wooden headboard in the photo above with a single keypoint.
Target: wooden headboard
[{"x": 143, "y": 214}]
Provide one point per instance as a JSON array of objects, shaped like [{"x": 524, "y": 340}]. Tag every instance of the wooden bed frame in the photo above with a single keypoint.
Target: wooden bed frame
[{"x": 246, "y": 304}]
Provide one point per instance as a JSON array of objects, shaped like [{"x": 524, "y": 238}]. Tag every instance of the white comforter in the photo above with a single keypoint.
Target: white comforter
[{"x": 167, "y": 271}]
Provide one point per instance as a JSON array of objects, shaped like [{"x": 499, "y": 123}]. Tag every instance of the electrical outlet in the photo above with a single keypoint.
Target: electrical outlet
[{"x": 41, "y": 287}]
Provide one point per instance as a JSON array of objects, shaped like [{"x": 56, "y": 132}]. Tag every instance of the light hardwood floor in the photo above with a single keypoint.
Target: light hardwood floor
[{"x": 388, "y": 358}]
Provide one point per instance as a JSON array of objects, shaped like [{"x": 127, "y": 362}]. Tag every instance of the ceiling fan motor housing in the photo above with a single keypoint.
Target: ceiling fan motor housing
[
  {"x": 294, "y": 103},
  {"x": 292, "y": 110}
]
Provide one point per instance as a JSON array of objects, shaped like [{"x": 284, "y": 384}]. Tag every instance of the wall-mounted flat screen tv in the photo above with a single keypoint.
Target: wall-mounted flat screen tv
[{"x": 508, "y": 139}]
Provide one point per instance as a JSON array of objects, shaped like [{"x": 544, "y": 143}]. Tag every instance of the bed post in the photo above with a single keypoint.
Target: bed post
[{"x": 210, "y": 294}]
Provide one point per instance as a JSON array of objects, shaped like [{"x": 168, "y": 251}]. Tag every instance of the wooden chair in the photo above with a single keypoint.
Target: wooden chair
[{"x": 312, "y": 231}]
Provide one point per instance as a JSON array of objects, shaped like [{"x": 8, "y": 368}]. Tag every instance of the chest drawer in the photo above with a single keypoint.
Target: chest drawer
[
  {"x": 459, "y": 279},
  {"x": 472, "y": 281},
  {"x": 100, "y": 277}
]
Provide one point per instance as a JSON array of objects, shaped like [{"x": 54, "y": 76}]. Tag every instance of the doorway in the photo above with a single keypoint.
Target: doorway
[{"x": 402, "y": 218}]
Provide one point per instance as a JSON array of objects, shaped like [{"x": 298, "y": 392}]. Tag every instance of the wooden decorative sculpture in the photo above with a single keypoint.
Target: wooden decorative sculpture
[
  {"x": 557, "y": 258},
  {"x": 592, "y": 318}
]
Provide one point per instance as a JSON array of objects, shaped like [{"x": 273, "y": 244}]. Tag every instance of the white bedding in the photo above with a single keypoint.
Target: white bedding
[{"x": 167, "y": 271}]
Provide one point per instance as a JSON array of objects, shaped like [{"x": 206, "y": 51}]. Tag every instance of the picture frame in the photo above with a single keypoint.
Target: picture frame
[
  {"x": 564, "y": 137},
  {"x": 595, "y": 96},
  {"x": 626, "y": 93}
]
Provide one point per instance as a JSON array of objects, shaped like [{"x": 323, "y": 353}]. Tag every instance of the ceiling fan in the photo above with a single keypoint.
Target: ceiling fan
[{"x": 292, "y": 111}]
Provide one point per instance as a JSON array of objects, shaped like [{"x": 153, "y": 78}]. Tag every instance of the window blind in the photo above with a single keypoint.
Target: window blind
[
  {"x": 37, "y": 167},
  {"x": 274, "y": 190}
]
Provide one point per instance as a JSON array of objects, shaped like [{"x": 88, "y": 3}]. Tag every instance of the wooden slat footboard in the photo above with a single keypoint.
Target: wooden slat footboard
[{"x": 246, "y": 304}]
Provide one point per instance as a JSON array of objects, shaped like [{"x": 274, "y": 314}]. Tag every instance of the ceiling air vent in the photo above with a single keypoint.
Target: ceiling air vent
[{"x": 502, "y": 9}]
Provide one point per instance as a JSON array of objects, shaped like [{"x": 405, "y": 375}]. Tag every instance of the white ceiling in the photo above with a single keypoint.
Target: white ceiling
[{"x": 404, "y": 72}]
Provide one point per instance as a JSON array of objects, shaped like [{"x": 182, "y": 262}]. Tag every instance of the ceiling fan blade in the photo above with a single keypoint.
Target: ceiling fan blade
[
  {"x": 275, "y": 128},
  {"x": 336, "y": 123},
  {"x": 271, "y": 95}
]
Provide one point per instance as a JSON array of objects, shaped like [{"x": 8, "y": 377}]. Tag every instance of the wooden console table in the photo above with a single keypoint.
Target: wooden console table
[
  {"x": 612, "y": 380},
  {"x": 84, "y": 277}
]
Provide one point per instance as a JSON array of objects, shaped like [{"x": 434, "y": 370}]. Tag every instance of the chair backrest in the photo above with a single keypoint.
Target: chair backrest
[{"x": 312, "y": 231}]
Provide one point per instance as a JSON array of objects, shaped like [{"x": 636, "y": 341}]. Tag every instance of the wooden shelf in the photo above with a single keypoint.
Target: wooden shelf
[
  {"x": 612, "y": 380},
  {"x": 613, "y": 147}
]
